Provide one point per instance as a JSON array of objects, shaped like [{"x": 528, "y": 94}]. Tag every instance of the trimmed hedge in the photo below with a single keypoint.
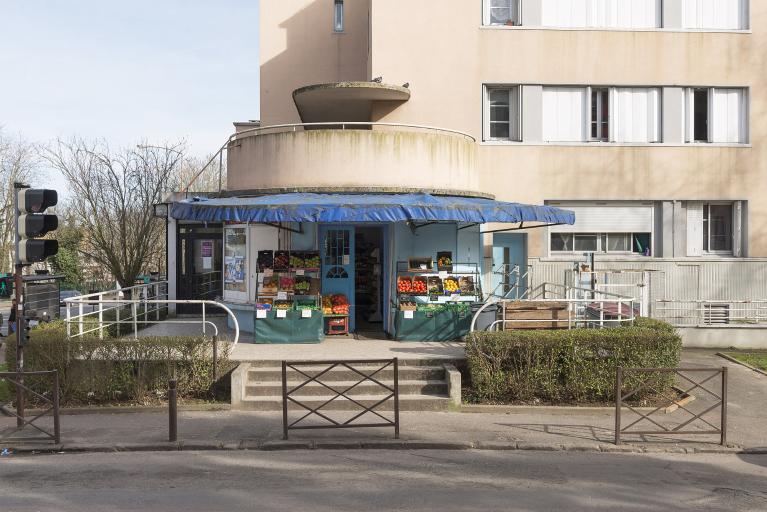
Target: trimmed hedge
[
  {"x": 93, "y": 371},
  {"x": 576, "y": 365}
]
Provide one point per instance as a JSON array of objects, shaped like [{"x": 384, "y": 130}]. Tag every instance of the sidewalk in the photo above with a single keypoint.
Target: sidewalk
[{"x": 542, "y": 428}]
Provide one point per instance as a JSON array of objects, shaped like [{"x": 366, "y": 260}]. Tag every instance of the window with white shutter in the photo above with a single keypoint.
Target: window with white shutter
[
  {"x": 601, "y": 13},
  {"x": 636, "y": 115},
  {"x": 728, "y": 116},
  {"x": 715, "y": 14},
  {"x": 564, "y": 114},
  {"x": 694, "y": 229}
]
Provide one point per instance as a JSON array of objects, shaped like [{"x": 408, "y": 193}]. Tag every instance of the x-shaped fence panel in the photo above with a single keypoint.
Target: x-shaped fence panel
[
  {"x": 364, "y": 372},
  {"x": 49, "y": 406},
  {"x": 648, "y": 381}
]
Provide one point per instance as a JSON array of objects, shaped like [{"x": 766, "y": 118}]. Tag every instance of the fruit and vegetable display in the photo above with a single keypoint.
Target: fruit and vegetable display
[
  {"x": 445, "y": 260},
  {"x": 435, "y": 285},
  {"x": 339, "y": 304},
  {"x": 270, "y": 285},
  {"x": 265, "y": 260},
  {"x": 296, "y": 260},
  {"x": 327, "y": 305},
  {"x": 451, "y": 285},
  {"x": 281, "y": 260},
  {"x": 283, "y": 304},
  {"x": 302, "y": 305},
  {"x": 404, "y": 284},
  {"x": 264, "y": 306},
  {"x": 420, "y": 264},
  {"x": 466, "y": 284},
  {"x": 419, "y": 286},
  {"x": 407, "y": 305},
  {"x": 312, "y": 260},
  {"x": 287, "y": 284},
  {"x": 302, "y": 285}
]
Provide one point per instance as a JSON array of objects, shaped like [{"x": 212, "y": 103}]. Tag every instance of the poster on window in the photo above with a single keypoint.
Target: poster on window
[
  {"x": 234, "y": 267},
  {"x": 206, "y": 249}
]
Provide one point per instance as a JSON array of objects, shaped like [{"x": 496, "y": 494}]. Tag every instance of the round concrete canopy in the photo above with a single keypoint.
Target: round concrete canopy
[{"x": 344, "y": 101}]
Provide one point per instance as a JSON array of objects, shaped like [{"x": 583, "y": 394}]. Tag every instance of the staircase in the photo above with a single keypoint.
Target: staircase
[{"x": 423, "y": 386}]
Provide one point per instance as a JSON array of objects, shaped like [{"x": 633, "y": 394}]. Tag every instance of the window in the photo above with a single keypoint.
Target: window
[
  {"x": 715, "y": 14},
  {"x": 501, "y": 12},
  {"x": 717, "y": 115},
  {"x": 600, "y": 114},
  {"x": 564, "y": 114},
  {"x": 502, "y": 113},
  {"x": 614, "y": 243},
  {"x": 601, "y": 13},
  {"x": 717, "y": 228},
  {"x": 636, "y": 114},
  {"x": 338, "y": 16}
]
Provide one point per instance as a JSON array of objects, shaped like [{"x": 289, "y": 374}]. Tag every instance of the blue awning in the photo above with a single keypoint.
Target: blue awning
[{"x": 305, "y": 207}]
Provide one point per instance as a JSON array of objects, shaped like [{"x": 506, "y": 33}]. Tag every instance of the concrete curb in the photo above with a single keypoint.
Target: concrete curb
[
  {"x": 741, "y": 363},
  {"x": 129, "y": 409},
  {"x": 292, "y": 445}
]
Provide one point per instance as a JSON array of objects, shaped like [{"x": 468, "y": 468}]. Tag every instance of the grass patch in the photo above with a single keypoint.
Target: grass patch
[
  {"x": 755, "y": 359},
  {"x": 5, "y": 394}
]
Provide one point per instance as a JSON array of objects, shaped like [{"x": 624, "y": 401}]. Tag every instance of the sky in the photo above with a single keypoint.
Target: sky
[{"x": 129, "y": 71}]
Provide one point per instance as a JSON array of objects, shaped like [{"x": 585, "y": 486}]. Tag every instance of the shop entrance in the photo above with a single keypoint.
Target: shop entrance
[
  {"x": 368, "y": 289},
  {"x": 198, "y": 264}
]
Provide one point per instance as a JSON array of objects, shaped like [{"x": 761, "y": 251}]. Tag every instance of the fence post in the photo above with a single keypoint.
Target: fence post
[
  {"x": 215, "y": 358},
  {"x": 724, "y": 406},
  {"x": 172, "y": 410},
  {"x": 618, "y": 405},
  {"x": 285, "y": 400},
  {"x": 396, "y": 398},
  {"x": 117, "y": 315},
  {"x": 56, "y": 421},
  {"x": 203, "y": 319},
  {"x": 101, "y": 316},
  {"x": 157, "y": 297},
  {"x": 80, "y": 315},
  {"x": 134, "y": 314},
  {"x": 69, "y": 320}
]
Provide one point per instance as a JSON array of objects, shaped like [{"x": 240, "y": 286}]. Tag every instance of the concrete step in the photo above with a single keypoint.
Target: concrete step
[
  {"x": 407, "y": 403},
  {"x": 274, "y": 374},
  {"x": 434, "y": 361},
  {"x": 406, "y": 387}
]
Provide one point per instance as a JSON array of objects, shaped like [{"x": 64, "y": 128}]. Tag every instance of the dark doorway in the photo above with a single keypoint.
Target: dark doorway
[
  {"x": 368, "y": 290},
  {"x": 199, "y": 253}
]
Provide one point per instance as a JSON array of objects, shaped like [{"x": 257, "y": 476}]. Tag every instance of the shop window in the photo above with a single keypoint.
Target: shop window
[
  {"x": 235, "y": 260},
  {"x": 717, "y": 228},
  {"x": 338, "y": 16}
]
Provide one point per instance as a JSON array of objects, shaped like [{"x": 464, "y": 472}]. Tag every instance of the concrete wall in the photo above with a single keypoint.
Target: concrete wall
[
  {"x": 354, "y": 158},
  {"x": 299, "y": 47}
]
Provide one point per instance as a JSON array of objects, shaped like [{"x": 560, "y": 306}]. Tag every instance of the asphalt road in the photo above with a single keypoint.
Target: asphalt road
[{"x": 382, "y": 480}]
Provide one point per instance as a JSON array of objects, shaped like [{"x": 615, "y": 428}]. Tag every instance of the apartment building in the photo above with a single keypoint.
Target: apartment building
[{"x": 642, "y": 117}]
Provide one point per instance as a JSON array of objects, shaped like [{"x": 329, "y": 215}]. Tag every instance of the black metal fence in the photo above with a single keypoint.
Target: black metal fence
[
  {"x": 365, "y": 371},
  {"x": 678, "y": 399},
  {"x": 50, "y": 405}
]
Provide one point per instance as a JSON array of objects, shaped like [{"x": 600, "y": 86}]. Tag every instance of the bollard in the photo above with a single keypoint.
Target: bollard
[{"x": 172, "y": 411}]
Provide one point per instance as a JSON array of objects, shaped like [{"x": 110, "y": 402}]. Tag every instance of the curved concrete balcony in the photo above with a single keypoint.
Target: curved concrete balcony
[{"x": 352, "y": 156}]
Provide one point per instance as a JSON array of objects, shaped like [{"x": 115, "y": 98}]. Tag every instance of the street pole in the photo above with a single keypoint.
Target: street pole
[{"x": 21, "y": 323}]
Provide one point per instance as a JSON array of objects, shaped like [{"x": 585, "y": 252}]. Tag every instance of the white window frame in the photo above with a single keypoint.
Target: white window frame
[
  {"x": 338, "y": 16},
  {"x": 515, "y": 117},
  {"x": 600, "y": 137},
  {"x": 707, "y": 222},
  {"x": 513, "y": 6}
]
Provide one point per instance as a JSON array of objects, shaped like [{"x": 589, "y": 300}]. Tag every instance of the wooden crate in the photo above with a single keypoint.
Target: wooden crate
[{"x": 546, "y": 315}]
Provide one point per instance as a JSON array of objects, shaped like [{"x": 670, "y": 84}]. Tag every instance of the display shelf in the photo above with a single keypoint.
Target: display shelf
[{"x": 466, "y": 274}]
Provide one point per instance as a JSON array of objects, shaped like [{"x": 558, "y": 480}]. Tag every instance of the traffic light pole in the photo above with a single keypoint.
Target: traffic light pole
[{"x": 21, "y": 322}]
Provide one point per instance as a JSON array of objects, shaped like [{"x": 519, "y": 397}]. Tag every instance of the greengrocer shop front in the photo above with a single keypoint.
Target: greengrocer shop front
[{"x": 301, "y": 266}]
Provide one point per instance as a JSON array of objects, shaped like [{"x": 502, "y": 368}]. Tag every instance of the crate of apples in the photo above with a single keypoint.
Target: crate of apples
[
  {"x": 419, "y": 286},
  {"x": 404, "y": 285}
]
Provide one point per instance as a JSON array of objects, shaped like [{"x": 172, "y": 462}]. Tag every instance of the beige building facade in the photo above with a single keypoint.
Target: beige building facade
[{"x": 644, "y": 120}]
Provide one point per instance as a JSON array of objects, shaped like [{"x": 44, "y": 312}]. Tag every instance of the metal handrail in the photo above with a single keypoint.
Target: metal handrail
[{"x": 250, "y": 132}]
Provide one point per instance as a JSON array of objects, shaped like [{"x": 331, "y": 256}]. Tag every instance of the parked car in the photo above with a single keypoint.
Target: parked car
[{"x": 67, "y": 294}]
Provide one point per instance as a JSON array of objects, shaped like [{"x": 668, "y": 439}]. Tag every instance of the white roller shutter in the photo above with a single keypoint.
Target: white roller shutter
[
  {"x": 714, "y": 14},
  {"x": 694, "y": 229},
  {"x": 609, "y": 219},
  {"x": 601, "y": 13}
]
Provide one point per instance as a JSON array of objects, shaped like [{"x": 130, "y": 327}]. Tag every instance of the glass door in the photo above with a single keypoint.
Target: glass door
[{"x": 337, "y": 252}]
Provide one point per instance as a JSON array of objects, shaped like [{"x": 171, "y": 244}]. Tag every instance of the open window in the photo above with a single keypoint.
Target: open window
[
  {"x": 501, "y": 12},
  {"x": 338, "y": 15},
  {"x": 717, "y": 115}
]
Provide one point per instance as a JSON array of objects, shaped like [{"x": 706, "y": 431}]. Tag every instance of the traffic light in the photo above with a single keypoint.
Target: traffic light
[{"x": 34, "y": 223}]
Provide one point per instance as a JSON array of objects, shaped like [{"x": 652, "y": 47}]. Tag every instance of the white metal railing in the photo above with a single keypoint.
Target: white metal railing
[
  {"x": 585, "y": 308},
  {"x": 513, "y": 283},
  {"x": 295, "y": 127},
  {"x": 719, "y": 313},
  {"x": 145, "y": 305}
]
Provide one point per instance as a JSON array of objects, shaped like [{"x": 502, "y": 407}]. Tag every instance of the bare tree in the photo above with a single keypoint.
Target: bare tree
[
  {"x": 206, "y": 174},
  {"x": 18, "y": 162},
  {"x": 113, "y": 195}
]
